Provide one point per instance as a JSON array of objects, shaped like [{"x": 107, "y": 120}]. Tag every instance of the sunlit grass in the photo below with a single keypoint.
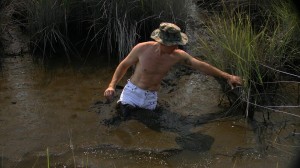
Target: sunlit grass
[
  {"x": 48, "y": 159},
  {"x": 257, "y": 55}
]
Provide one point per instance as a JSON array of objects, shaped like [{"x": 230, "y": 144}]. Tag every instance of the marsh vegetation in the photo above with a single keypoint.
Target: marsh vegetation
[
  {"x": 258, "y": 41},
  {"x": 75, "y": 28}
]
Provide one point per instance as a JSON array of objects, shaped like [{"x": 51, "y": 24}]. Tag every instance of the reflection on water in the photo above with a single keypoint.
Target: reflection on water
[
  {"x": 62, "y": 110},
  {"x": 39, "y": 107}
]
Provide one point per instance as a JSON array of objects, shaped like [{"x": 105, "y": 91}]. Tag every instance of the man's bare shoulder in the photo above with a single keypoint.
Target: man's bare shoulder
[
  {"x": 142, "y": 48},
  {"x": 146, "y": 44},
  {"x": 184, "y": 57},
  {"x": 181, "y": 53}
]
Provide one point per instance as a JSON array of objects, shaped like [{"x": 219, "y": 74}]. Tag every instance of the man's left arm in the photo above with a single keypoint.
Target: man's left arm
[{"x": 211, "y": 70}]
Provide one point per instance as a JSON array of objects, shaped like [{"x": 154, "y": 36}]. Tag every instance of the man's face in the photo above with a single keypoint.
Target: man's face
[{"x": 174, "y": 47}]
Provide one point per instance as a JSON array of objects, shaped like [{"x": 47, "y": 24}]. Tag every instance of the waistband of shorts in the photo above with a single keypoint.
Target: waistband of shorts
[{"x": 148, "y": 91}]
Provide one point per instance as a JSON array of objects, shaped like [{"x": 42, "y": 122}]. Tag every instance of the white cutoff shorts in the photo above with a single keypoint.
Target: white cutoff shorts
[{"x": 138, "y": 97}]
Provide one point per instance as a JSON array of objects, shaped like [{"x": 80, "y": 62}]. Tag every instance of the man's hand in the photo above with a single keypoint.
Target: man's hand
[
  {"x": 109, "y": 93},
  {"x": 234, "y": 81}
]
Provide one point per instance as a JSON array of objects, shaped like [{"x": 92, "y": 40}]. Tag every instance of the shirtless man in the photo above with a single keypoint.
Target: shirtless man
[{"x": 152, "y": 62}]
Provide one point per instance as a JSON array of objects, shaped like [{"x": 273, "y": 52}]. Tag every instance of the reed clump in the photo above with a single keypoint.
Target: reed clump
[
  {"x": 258, "y": 53},
  {"x": 77, "y": 28}
]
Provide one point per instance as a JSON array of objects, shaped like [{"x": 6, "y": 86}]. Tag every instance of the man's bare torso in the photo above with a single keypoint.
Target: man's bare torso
[{"x": 153, "y": 65}]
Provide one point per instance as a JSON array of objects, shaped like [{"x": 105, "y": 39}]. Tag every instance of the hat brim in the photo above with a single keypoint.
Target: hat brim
[{"x": 155, "y": 35}]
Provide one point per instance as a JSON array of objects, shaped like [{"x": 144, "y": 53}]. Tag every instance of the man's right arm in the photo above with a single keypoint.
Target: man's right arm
[{"x": 131, "y": 59}]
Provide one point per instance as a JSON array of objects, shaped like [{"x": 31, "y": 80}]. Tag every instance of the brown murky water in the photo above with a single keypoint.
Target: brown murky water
[{"x": 54, "y": 111}]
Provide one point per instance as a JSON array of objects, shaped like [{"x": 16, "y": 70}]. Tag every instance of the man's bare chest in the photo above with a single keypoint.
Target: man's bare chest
[{"x": 153, "y": 65}]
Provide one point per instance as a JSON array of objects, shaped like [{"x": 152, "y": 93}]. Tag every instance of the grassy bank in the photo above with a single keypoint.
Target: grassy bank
[{"x": 261, "y": 46}]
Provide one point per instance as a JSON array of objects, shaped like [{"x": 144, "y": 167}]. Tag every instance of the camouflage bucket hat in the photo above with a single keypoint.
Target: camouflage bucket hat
[{"x": 169, "y": 34}]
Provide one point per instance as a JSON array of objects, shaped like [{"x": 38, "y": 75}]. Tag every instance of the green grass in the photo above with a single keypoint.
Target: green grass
[
  {"x": 258, "y": 55},
  {"x": 48, "y": 158}
]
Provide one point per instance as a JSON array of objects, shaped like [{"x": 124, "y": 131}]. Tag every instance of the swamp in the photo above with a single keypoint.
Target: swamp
[{"x": 57, "y": 57}]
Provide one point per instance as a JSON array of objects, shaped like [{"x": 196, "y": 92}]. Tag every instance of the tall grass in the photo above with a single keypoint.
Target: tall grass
[
  {"x": 48, "y": 158},
  {"x": 287, "y": 34},
  {"x": 70, "y": 27},
  {"x": 46, "y": 21},
  {"x": 256, "y": 54},
  {"x": 120, "y": 24}
]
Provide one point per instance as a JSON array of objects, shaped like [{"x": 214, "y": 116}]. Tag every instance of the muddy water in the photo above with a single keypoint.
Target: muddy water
[{"x": 60, "y": 114}]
